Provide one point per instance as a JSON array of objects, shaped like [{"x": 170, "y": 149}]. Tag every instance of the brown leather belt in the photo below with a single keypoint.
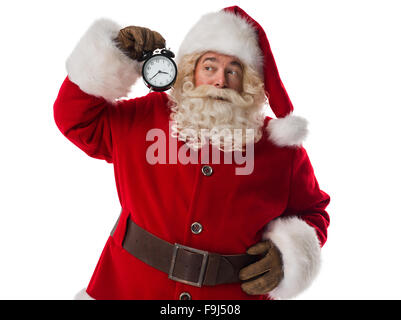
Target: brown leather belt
[{"x": 181, "y": 263}]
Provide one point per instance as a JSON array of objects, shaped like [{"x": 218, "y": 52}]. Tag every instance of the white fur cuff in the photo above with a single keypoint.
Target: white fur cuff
[
  {"x": 300, "y": 250},
  {"x": 98, "y": 67}
]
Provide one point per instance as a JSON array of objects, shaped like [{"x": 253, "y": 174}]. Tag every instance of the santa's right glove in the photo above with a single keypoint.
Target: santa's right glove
[
  {"x": 265, "y": 274},
  {"x": 134, "y": 41}
]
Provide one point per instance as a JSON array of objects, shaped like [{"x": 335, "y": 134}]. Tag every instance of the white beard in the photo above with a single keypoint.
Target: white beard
[{"x": 222, "y": 116}]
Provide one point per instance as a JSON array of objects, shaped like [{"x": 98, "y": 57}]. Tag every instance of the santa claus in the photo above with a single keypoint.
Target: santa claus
[{"x": 197, "y": 229}]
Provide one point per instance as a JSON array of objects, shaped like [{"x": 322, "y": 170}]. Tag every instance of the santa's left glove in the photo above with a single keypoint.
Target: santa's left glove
[{"x": 265, "y": 274}]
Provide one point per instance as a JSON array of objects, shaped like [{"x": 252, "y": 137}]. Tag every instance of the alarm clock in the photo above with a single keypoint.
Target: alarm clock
[{"x": 159, "y": 70}]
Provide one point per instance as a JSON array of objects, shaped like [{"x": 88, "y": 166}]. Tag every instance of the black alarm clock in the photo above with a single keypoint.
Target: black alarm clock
[{"x": 159, "y": 70}]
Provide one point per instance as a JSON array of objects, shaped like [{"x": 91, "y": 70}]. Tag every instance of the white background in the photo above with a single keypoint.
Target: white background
[{"x": 340, "y": 63}]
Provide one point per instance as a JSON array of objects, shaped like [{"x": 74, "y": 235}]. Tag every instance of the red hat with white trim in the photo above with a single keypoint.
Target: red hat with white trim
[{"x": 233, "y": 32}]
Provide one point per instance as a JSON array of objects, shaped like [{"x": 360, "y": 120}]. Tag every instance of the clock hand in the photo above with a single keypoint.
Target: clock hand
[{"x": 155, "y": 74}]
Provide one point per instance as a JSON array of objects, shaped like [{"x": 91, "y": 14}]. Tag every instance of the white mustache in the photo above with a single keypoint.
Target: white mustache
[{"x": 211, "y": 92}]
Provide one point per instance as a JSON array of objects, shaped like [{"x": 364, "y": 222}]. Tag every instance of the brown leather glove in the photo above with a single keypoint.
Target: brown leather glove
[
  {"x": 133, "y": 41},
  {"x": 265, "y": 273}
]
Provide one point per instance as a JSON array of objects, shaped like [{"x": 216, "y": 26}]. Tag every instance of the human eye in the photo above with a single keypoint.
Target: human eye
[
  {"x": 208, "y": 68},
  {"x": 233, "y": 72}
]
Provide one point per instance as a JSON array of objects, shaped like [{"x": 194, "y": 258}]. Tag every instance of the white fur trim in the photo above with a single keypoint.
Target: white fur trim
[
  {"x": 226, "y": 33},
  {"x": 83, "y": 295},
  {"x": 300, "y": 250},
  {"x": 289, "y": 131},
  {"x": 98, "y": 67}
]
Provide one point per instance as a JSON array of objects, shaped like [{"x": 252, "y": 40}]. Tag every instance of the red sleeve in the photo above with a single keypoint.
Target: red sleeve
[
  {"x": 306, "y": 200},
  {"x": 84, "y": 119}
]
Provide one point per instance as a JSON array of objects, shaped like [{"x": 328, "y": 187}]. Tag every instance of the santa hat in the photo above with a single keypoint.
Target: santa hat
[{"x": 233, "y": 32}]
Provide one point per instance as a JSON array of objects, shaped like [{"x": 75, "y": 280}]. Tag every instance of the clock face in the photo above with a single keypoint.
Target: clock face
[{"x": 159, "y": 72}]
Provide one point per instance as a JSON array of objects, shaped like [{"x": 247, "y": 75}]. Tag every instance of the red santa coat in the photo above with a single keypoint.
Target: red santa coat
[{"x": 280, "y": 199}]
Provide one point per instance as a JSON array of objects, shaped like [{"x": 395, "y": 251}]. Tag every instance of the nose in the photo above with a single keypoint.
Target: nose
[{"x": 220, "y": 80}]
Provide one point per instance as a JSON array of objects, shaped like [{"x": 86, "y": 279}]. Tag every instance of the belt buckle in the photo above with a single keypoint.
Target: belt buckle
[{"x": 201, "y": 272}]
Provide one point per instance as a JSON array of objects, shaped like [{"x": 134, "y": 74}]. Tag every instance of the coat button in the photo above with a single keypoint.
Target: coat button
[
  {"x": 185, "y": 296},
  {"x": 196, "y": 228},
  {"x": 207, "y": 170}
]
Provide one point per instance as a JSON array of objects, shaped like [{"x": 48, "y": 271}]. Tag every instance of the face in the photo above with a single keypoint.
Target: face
[{"x": 219, "y": 70}]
